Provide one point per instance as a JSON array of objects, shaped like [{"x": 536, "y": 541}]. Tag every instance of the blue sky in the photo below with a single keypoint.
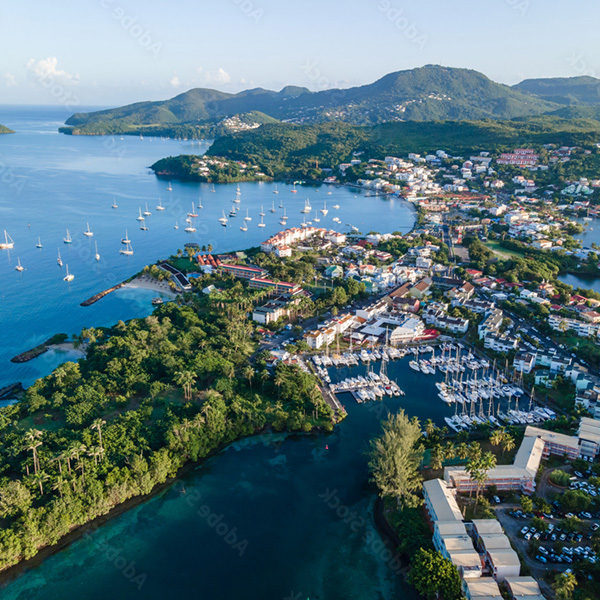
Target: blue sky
[{"x": 111, "y": 52}]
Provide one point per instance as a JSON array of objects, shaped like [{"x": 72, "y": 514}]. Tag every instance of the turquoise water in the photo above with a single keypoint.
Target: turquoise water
[{"x": 51, "y": 182}]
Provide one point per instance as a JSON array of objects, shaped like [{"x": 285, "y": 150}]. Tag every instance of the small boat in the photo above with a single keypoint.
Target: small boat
[
  {"x": 143, "y": 226},
  {"x": 157, "y": 301},
  {"x": 19, "y": 267},
  {"x": 88, "y": 232},
  {"x": 193, "y": 213},
  {"x": 262, "y": 212},
  {"x": 324, "y": 210},
  {"x": 294, "y": 190},
  {"x": 140, "y": 218},
  {"x": 233, "y": 212},
  {"x": 59, "y": 259},
  {"x": 147, "y": 213},
  {"x": 316, "y": 217},
  {"x": 307, "y": 207},
  {"x": 169, "y": 188},
  {"x": 176, "y": 226},
  {"x": 97, "y": 255},
  {"x": 128, "y": 251},
  {"x": 283, "y": 218},
  {"x": 276, "y": 191},
  {"x": 223, "y": 220},
  {"x": 39, "y": 244},
  {"x": 67, "y": 240},
  {"x": 200, "y": 203},
  {"x": 160, "y": 206},
  {"x": 114, "y": 204},
  {"x": 8, "y": 244},
  {"x": 212, "y": 189},
  {"x": 247, "y": 217},
  {"x": 272, "y": 209},
  {"x": 244, "y": 227},
  {"x": 126, "y": 239},
  {"x": 261, "y": 224},
  {"x": 238, "y": 193},
  {"x": 68, "y": 276},
  {"x": 336, "y": 206},
  {"x": 190, "y": 229}
]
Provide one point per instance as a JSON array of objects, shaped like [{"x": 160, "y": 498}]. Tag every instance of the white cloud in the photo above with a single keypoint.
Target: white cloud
[
  {"x": 9, "y": 80},
  {"x": 48, "y": 68},
  {"x": 219, "y": 76},
  {"x": 174, "y": 81}
]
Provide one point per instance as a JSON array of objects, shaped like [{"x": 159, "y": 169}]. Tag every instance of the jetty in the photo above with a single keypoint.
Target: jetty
[
  {"x": 100, "y": 295},
  {"x": 9, "y": 390}
]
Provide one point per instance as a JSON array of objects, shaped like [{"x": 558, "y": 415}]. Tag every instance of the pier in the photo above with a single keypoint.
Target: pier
[{"x": 100, "y": 295}]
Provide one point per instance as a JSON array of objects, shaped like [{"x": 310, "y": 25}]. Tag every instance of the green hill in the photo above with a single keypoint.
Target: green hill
[
  {"x": 288, "y": 150},
  {"x": 563, "y": 90},
  {"x": 4, "y": 129},
  {"x": 424, "y": 94}
]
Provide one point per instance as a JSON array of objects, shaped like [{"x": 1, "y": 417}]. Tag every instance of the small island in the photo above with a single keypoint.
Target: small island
[{"x": 4, "y": 129}]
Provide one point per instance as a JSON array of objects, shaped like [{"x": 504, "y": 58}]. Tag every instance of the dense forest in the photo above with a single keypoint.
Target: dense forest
[{"x": 152, "y": 395}]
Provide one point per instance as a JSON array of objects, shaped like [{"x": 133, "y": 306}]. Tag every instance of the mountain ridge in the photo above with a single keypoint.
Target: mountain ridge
[{"x": 426, "y": 93}]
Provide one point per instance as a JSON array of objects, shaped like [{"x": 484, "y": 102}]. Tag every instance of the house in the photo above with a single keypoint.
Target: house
[
  {"x": 589, "y": 437},
  {"x": 243, "y": 272},
  {"x": 484, "y": 588},
  {"x": 333, "y": 271},
  {"x": 440, "y": 501},
  {"x": 520, "y": 476},
  {"x": 555, "y": 443},
  {"x": 524, "y": 362},
  {"x": 421, "y": 289},
  {"x": 523, "y": 588},
  {"x": 491, "y": 324},
  {"x": 503, "y": 563},
  {"x": 411, "y": 329}
]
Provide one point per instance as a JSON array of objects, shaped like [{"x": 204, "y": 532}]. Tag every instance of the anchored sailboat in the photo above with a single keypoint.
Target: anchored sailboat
[
  {"x": 68, "y": 276},
  {"x": 160, "y": 206},
  {"x": 128, "y": 251},
  {"x": 19, "y": 267},
  {"x": 88, "y": 232},
  {"x": 97, "y": 255},
  {"x": 8, "y": 244},
  {"x": 59, "y": 259},
  {"x": 67, "y": 240}
]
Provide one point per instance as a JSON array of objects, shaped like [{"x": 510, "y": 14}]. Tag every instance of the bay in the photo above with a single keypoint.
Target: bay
[{"x": 51, "y": 182}]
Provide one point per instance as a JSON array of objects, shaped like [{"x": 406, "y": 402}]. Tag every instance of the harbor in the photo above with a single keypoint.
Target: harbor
[{"x": 471, "y": 392}]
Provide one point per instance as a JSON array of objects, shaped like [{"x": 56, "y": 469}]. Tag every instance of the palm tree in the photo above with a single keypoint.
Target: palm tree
[
  {"x": 98, "y": 424},
  {"x": 497, "y": 437},
  {"x": 474, "y": 451},
  {"x": 564, "y": 585},
  {"x": 450, "y": 451},
  {"x": 473, "y": 468},
  {"x": 429, "y": 427},
  {"x": 437, "y": 457},
  {"x": 40, "y": 477},
  {"x": 279, "y": 381},
  {"x": 508, "y": 444},
  {"x": 33, "y": 444},
  {"x": 60, "y": 484},
  {"x": 249, "y": 374},
  {"x": 486, "y": 463},
  {"x": 462, "y": 450},
  {"x": 186, "y": 380}
]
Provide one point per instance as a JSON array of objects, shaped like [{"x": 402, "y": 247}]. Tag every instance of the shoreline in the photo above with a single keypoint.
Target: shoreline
[
  {"x": 149, "y": 283},
  {"x": 12, "y": 573}
]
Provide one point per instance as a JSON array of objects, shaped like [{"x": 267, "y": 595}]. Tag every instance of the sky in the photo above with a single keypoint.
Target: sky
[{"x": 113, "y": 52}]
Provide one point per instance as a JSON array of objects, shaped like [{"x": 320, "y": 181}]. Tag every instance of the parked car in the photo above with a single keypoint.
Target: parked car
[
  {"x": 541, "y": 558},
  {"x": 528, "y": 536},
  {"x": 543, "y": 551},
  {"x": 524, "y": 530}
]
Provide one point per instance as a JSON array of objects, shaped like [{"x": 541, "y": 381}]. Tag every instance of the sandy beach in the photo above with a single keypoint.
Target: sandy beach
[
  {"x": 149, "y": 283},
  {"x": 69, "y": 347}
]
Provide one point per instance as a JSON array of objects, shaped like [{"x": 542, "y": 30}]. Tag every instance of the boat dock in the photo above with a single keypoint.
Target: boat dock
[{"x": 100, "y": 295}]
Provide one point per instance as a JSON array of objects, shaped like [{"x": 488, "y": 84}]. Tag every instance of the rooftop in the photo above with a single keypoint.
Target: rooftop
[{"x": 442, "y": 500}]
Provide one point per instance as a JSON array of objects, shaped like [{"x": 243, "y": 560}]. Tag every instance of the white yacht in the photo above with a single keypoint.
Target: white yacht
[
  {"x": 88, "y": 232},
  {"x": 8, "y": 244},
  {"x": 68, "y": 276}
]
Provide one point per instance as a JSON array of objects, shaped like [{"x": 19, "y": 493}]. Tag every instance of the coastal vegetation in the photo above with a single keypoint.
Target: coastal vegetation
[
  {"x": 152, "y": 395},
  {"x": 288, "y": 151},
  {"x": 4, "y": 129}
]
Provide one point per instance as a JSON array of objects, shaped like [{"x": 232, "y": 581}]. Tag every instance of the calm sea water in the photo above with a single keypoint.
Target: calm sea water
[
  {"x": 50, "y": 183},
  {"x": 253, "y": 522},
  {"x": 590, "y": 236}
]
